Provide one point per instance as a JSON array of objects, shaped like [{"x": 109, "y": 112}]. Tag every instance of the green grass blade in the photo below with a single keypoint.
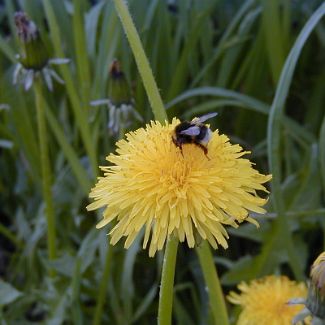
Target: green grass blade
[
  {"x": 179, "y": 76},
  {"x": 10, "y": 9},
  {"x": 277, "y": 108},
  {"x": 238, "y": 100},
  {"x": 108, "y": 43},
  {"x": 226, "y": 35},
  {"x": 6, "y": 49},
  {"x": 322, "y": 154},
  {"x": 273, "y": 37},
  {"x": 69, "y": 152},
  {"x": 257, "y": 105},
  {"x": 274, "y": 130},
  {"x": 81, "y": 52},
  {"x": 80, "y": 114},
  {"x": 91, "y": 21}
]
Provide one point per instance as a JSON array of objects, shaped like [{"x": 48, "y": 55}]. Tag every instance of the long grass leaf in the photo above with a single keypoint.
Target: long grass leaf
[
  {"x": 322, "y": 154},
  {"x": 80, "y": 114},
  {"x": 69, "y": 152},
  {"x": 239, "y": 100},
  {"x": 6, "y": 49},
  {"x": 219, "y": 49},
  {"x": 274, "y": 130},
  {"x": 81, "y": 52},
  {"x": 273, "y": 36}
]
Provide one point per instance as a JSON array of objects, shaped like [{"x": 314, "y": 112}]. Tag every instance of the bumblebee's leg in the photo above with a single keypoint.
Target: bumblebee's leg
[
  {"x": 181, "y": 148},
  {"x": 205, "y": 150},
  {"x": 178, "y": 145}
]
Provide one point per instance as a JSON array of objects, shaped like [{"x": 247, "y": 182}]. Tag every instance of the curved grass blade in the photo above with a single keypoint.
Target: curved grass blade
[
  {"x": 236, "y": 99},
  {"x": 81, "y": 52},
  {"x": 322, "y": 154},
  {"x": 274, "y": 133},
  {"x": 80, "y": 114},
  {"x": 69, "y": 152},
  {"x": 219, "y": 49}
]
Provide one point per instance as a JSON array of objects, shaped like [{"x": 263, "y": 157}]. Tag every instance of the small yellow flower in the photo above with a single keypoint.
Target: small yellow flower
[
  {"x": 153, "y": 185},
  {"x": 264, "y": 301}
]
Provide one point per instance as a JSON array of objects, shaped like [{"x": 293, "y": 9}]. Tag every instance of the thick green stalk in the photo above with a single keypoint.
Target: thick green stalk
[
  {"x": 46, "y": 170},
  {"x": 142, "y": 61},
  {"x": 167, "y": 283},
  {"x": 217, "y": 302},
  {"x": 158, "y": 109},
  {"x": 103, "y": 287}
]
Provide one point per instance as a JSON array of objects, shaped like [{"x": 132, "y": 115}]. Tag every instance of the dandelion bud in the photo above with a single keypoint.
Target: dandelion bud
[
  {"x": 316, "y": 292},
  {"x": 120, "y": 103},
  {"x": 33, "y": 52},
  {"x": 118, "y": 88}
]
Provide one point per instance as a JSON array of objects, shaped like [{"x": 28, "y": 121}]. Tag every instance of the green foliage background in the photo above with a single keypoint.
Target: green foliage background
[{"x": 217, "y": 55}]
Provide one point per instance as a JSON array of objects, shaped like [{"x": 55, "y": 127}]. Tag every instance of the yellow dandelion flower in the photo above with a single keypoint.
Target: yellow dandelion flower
[
  {"x": 151, "y": 184},
  {"x": 265, "y": 301}
]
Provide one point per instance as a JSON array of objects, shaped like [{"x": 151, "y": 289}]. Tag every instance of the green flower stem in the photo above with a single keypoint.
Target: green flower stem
[
  {"x": 167, "y": 283},
  {"x": 142, "y": 61},
  {"x": 217, "y": 302},
  {"x": 158, "y": 109},
  {"x": 103, "y": 287},
  {"x": 46, "y": 170}
]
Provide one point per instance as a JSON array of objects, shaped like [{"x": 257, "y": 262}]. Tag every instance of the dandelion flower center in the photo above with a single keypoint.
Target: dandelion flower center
[{"x": 152, "y": 184}]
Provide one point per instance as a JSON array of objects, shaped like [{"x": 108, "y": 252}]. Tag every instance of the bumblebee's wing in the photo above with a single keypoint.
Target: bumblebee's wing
[
  {"x": 206, "y": 117},
  {"x": 192, "y": 131}
]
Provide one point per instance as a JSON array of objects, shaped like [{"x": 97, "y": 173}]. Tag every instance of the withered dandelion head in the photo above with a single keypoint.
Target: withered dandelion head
[
  {"x": 34, "y": 59},
  {"x": 264, "y": 301},
  {"x": 314, "y": 304},
  {"x": 152, "y": 184},
  {"x": 317, "y": 274},
  {"x": 315, "y": 301}
]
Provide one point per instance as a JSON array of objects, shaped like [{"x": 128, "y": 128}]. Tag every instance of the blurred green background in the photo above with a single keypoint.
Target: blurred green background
[{"x": 217, "y": 55}]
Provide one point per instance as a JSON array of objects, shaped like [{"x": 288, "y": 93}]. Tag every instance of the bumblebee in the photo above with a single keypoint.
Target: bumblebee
[{"x": 195, "y": 132}]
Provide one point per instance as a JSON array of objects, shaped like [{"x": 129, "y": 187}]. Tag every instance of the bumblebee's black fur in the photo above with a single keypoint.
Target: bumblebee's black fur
[{"x": 179, "y": 139}]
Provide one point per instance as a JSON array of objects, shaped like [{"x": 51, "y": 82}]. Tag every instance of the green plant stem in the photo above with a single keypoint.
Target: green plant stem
[
  {"x": 217, "y": 302},
  {"x": 158, "y": 109},
  {"x": 142, "y": 61},
  {"x": 167, "y": 283},
  {"x": 103, "y": 287},
  {"x": 46, "y": 170}
]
